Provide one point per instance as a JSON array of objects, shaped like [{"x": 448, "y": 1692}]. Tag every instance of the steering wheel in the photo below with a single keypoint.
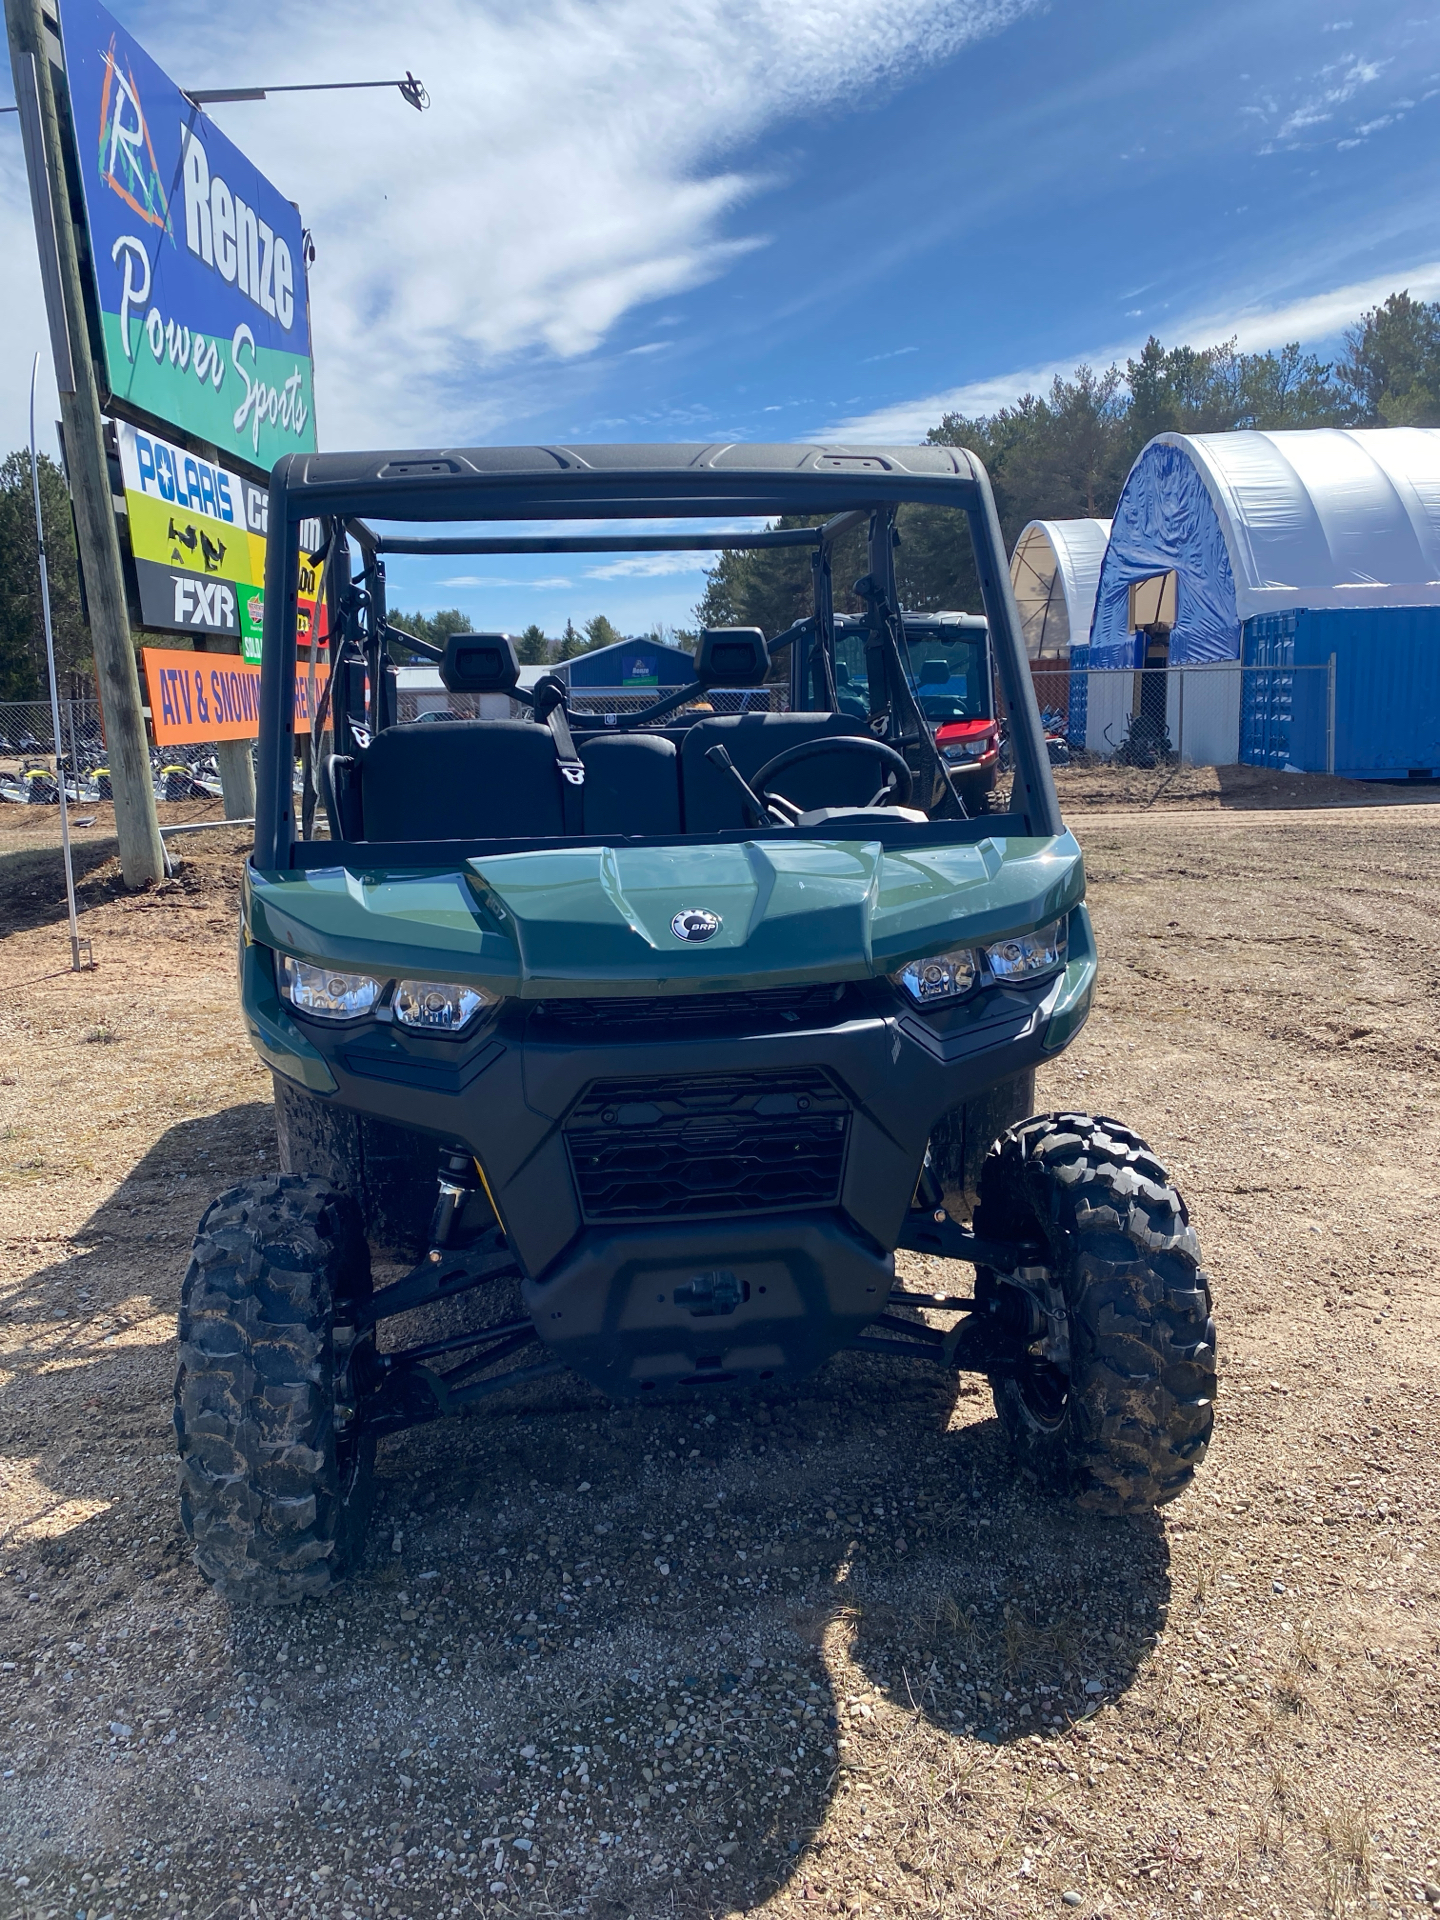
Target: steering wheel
[{"x": 893, "y": 763}]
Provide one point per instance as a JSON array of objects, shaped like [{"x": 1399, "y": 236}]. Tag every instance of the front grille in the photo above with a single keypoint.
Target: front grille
[
  {"x": 714, "y": 1145},
  {"x": 771, "y": 1009}
]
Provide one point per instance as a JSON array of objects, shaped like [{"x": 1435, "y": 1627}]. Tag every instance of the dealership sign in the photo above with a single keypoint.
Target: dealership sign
[
  {"x": 198, "y": 262},
  {"x": 197, "y": 532},
  {"x": 199, "y": 697}
]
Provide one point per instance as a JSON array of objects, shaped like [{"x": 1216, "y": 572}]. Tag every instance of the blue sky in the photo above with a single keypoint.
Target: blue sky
[{"x": 785, "y": 219}]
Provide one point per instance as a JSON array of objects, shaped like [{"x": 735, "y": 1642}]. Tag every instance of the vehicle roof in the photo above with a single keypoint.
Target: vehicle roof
[
  {"x": 975, "y": 623},
  {"x": 498, "y": 482}
]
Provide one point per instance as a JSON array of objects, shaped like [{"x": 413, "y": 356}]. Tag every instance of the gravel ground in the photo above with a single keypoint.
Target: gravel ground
[{"x": 814, "y": 1652}]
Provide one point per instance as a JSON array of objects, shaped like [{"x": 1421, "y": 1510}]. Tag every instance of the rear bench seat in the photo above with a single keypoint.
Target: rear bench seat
[{"x": 498, "y": 780}]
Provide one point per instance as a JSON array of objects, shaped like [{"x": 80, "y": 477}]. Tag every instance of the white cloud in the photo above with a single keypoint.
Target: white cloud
[
  {"x": 1319, "y": 316},
  {"x": 501, "y": 580},
  {"x": 581, "y": 158},
  {"x": 643, "y": 566},
  {"x": 23, "y": 330},
  {"x": 1338, "y": 84},
  {"x": 906, "y": 422},
  {"x": 651, "y": 566}
]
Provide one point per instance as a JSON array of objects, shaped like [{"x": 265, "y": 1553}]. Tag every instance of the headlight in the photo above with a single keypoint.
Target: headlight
[
  {"x": 325, "y": 992},
  {"x": 944, "y": 976},
  {"x": 1028, "y": 953},
  {"x": 438, "y": 1006},
  {"x": 967, "y": 749}
]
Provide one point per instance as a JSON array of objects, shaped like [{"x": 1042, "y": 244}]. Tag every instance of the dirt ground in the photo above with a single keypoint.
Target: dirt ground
[
  {"x": 1104, "y": 785},
  {"x": 820, "y": 1652}
]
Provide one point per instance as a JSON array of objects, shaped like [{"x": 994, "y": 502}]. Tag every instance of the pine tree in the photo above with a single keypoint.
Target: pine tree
[
  {"x": 23, "y": 672},
  {"x": 1391, "y": 369},
  {"x": 532, "y": 649},
  {"x": 434, "y": 627},
  {"x": 599, "y": 632}
]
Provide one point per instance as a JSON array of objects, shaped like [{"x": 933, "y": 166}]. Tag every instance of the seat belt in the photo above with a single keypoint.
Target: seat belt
[{"x": 550, "y": 692}]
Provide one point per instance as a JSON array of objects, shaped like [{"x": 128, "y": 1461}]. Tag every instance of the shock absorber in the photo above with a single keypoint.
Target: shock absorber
[
  {"x": 929, "y": 1195},
  {"x": 457, "y": 1179}
]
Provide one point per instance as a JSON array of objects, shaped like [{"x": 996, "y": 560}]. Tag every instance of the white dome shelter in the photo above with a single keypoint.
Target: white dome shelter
[
  {"x": 1054, "y": 571},
  {"x": 1303, "y": 569},
  {"x": 1262, "y": 523}
]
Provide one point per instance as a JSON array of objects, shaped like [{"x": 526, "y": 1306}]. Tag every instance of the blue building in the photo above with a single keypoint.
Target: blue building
[{"x": 629, "y": 666}]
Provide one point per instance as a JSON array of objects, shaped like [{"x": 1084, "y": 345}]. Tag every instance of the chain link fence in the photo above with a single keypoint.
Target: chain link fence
[
  {"x": 30, "y": 768},
  {"x": 1219, "y": 715},
  {"x": 29, "y": 760},
  {"x": 26, "y": 729}
]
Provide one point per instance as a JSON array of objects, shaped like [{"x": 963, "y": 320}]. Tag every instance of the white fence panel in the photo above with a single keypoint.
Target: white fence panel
[
  {"x": 1202, "y": 714},
  {"x": 1110, "y": 697}
]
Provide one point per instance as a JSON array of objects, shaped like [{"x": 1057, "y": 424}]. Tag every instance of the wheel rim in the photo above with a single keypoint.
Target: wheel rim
[
  {"x": 1045, "y": 1394},
  {"x": 1042, "y": 1389}
]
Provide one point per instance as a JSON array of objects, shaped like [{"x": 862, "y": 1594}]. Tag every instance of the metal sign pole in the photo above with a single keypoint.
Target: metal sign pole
[
  {"x": 1180, "y": 729},
  {"x": 60, "y": 754}
]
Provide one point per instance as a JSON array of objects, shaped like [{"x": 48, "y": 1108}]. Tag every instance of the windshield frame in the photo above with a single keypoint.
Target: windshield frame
[{"x": 854, "y": 487}]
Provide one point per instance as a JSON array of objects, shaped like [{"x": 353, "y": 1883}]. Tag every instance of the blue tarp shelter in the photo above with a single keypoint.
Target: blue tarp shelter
[
  {"x": 1263, "y": 523},
  {"x": 1291, "y": 551}
]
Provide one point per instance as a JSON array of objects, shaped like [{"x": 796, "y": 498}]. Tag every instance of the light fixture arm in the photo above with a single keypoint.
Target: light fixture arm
[{"x": 410, "y": 89}]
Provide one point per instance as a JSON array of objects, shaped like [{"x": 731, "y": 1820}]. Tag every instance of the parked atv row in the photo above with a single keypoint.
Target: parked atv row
[{"x": 177, "y": 773}]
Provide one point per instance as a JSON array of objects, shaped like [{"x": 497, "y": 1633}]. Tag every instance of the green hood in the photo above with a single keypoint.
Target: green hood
[{"x": 571, "y": 919}]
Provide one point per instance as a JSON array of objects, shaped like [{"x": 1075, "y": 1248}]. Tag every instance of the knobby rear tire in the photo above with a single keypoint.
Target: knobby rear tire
[
  {"x": 1127, "y": 1429},
  {"x": 272, "y": 1500}
]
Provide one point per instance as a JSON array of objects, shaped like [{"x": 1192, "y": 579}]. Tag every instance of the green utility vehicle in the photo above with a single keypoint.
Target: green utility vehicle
[{"x": 646, "y": 1039}]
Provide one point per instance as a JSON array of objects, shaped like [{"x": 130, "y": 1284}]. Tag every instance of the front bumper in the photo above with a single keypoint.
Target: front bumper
[
  {"x": 696, "y": 1304},
  {"x": 630, "y": 1084},
  {"x": 529, "y": 1094},
  {"x": 702, "y": 1157}
]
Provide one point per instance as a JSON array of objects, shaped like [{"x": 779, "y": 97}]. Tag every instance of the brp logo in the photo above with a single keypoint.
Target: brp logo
[{"x": 695, "y": 923}]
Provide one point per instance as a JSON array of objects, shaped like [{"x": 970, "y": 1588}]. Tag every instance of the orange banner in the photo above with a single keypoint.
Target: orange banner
[{"x": 213, "y": 696}]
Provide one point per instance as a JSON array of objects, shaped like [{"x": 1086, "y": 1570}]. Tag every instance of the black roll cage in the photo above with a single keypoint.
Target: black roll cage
[{"x": 853, "y": 487}]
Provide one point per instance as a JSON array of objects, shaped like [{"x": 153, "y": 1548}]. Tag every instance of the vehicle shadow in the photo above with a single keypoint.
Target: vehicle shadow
[
  {"x": 1247, "y": 788},
  {"x": 656, "y": 1643}
]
